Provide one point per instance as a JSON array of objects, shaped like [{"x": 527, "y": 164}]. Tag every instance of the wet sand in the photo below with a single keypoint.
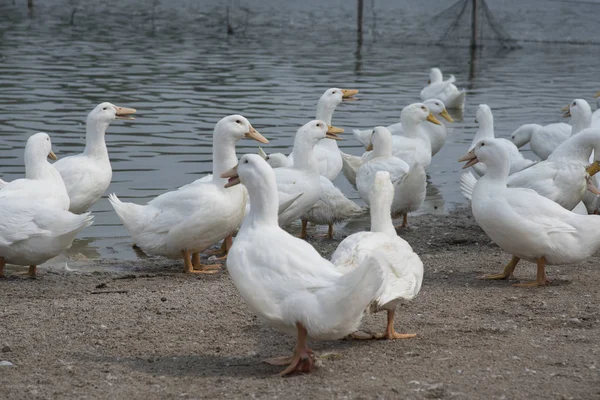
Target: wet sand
[{"x": 146, "y": 330}]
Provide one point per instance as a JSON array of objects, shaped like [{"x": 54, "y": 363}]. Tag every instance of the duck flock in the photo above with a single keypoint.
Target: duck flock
[{"x": 540, "y": 211}]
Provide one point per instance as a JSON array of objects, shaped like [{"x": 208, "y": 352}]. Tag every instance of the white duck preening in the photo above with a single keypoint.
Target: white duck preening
[
  {"x": 88, "y": 175},
  {"x": 403, "y": 274},
  {"x": 42, "y": 181},
  {"x": 193, "y": 218},
  {"x": 410, "y": 182},
  {"x": 445, "y": 90},
  {"x": 436, "y": 133},
  {"x": 35, "y": 225},
  {"x": 485, "y": 119},
  {"x": 544, "y": 139},
  {"x": 525, "y": 224},
  {"x": 285, "y": 281},
  {"x": 330, "y": 208},
  {"x": 563, "y": 177},
  {"x": 301, "y": 181},
  {"x": 327, "y": 153}
]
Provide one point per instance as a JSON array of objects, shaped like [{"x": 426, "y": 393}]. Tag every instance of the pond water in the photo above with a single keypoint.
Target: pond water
[{"x": 175, "y": 64}]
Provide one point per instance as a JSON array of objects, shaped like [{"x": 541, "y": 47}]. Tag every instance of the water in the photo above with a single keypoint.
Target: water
[{"x": 174, "y": 63}]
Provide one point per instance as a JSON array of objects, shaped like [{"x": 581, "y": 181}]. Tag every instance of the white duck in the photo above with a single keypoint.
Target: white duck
[
  {"x": 436, "y": 133},
  {"x": 525, "y": 224},
  {"x": 409, "y": 182},
  {"x": 327, "y": 153},
  {"x": 485, "y": 119},
  {"x": 402, "y": 281},
  {"x": 42, "y": 181},
  {"x": 285, "y": 281},
  {"x": 88, "y": 175},
  {"x": 35, "y": 225},
  {"x": 331, "y": 207},
  {"x": 302, "y": 180},
  {"x": 198, "y": 215},
  {"x": 562, "y": 178},
  {"x": 596, "y": 114},
  {"x": 544, "y": 139},
  {"x": 445, "y": 90},
  {"x": 413, "y": 147}
]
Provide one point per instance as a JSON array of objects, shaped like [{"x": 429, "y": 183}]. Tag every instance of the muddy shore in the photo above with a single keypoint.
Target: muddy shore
[{"x": 146, "y": 330}]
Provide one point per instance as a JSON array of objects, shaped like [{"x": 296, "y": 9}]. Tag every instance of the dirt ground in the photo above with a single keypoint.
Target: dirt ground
[{"x": 146, "y": 330}]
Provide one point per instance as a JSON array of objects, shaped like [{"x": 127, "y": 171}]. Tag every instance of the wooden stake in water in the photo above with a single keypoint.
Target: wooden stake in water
[{"x": 474, "y": 25}]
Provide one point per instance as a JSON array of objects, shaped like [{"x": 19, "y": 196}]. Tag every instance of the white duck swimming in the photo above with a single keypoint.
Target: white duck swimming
[
  {"x": 544, "y": 139},
  {"x": 88, "y": 175},
  {"x": 197, "y": 215},
  {"x": 525, "y": 224},
  {"x": 42, "y": 181},
  {"x": 327, "y": 153},
  {"x": 485, "y": 119},
  {"x": 409, "y": 182},
  {"x": 402, "y": 281},
  {"x": 330, "y": 208},
  {"x": 35, "y": 225},
  {"x": 302, "y": 180},
  {"x": 436, "y": 133},
  {"x": 285, "y": 281},
  {"x": 562, "y": 178},
  {"x": 445, "y": 90}
]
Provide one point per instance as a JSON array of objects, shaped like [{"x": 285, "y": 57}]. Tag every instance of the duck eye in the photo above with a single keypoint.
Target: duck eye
[
  {"x": 104, "y": 108},
  {"x": 245, "y": 161},
  {"x": 423, "y": 108},
  {"x": 482, "y": 144},
  {"x": 237, "y": 121}
]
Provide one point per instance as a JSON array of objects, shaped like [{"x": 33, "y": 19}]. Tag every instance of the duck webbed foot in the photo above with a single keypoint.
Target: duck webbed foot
[
  {"x": 542, "y": 279},
  {"x": 195, "y": 266},
  {"x": 390, "y": 333},
  {"x": 507, "y": 273}
]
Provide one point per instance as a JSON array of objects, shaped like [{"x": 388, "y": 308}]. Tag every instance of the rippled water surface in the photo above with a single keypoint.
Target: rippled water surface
[{"x": 175, "y": 64}]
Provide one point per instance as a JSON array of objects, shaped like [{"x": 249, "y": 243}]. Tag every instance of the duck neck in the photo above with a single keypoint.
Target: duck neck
[
  {"x": 325, "y": 113},
  {"x": 224, "y": 157},
  {"x": 578, "y": 148},
  {"x": 410, "y": 127},
  {"x": 264, "y": 202},
  {"x": 36, "y": 167},
  {"x": 485, "y": 131},
  {"x": 582, "y": 122},
  {"x": 304, "y": 157},
  {"x": 497, "y": 172},
  {"x": 381, "y": 220},
  {"x": 95, "y": 145}
]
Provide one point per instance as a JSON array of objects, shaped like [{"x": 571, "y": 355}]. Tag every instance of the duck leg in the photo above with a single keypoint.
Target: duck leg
[
  {"x": 302, "y": 360},
  {"x": 226, "y": 246},
  {"x": 2, "y": 264},
  {"x": 198, "y": 268},
  {"x": 32, "y": 271},
  {"x": 330, "y": 232},
  {"x": 390, "y": 333},
  {"x": 542, "y": 279},
  {"x": 404, "y": 222},
  {"x": 508, "y": 270},
  {"x": 303, "y": 233}
]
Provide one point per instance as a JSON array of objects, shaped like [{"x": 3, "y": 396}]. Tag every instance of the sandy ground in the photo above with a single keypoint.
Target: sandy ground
[{"x": 148, "y": 331}]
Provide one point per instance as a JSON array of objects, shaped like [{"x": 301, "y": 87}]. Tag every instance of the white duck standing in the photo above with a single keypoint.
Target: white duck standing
[
  {"x": 327, "y": 153},
  {"x": 485, "y": 119},
  {"x": 410, "y": 182},
  {"x": 436, "y": 133},
  {"x": 445, "y": 90},
  {"x": 285, "y": 281},
  {"x": 402, "y": 281},
  {"x": 193, "y": 218},
  {"x": 302, "y": 181},
  {"x": 42, "y": 181},
  {"x": 525, "y": 224},
  {"x": 88, "y": 175},
  {"x": 35, "y": 225}
]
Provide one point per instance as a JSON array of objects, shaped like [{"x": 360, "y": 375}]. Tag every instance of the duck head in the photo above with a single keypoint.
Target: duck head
[
  {"x": 578, "y": 108},
  {"x": 381, "y": 141},
  {"x": 435, "y": 75},
  {"x": 522, "y": 135},
  {"x": 487, "y": 151},
  {"x": 438, "y": 108},
  {"x": 316, "y": 130},
  {"x": 252, "y": 169},
  {"x": 105, "y": 113},
  {"x": 484, "y": 115},
  {"x": 237, "y": 128},
  {"x": 275, "y": 160},
  {"x": 39, "y": 147},
  {"x": 416, "y": 113}
]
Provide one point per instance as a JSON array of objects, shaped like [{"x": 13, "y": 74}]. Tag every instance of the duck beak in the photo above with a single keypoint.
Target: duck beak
[
  {"x": 566, "y": 110},
  {"x": 253, "y": 134},
  {"x": 444, "y": 114},
  {"x": 597, "y": 95},
  {"x": 332, "y": 132},
  {"x": 348, "y": 93},
  {"x": 593, "y": 169},
  {"x": 232, "y": 175},
  {"x": 470, "y": 157},
  {"x": 590, "y": 186},
  {"x": 370, "y": 147},
  {"x": 476, "y": 121},
  {"x": 262, "y": 153},
  {"x": 124, "y": 113},
  {"x": 433, "y": 119},
  {"x": 429, "y": 81},
  {"x": 52, "y": 156}
]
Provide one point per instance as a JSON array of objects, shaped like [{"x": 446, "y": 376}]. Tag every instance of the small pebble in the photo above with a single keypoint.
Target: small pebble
[
  {"x": 6, "y": 364},
  {"x": 163, "y": 299},
  {"x": 6, "y": 349}
]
